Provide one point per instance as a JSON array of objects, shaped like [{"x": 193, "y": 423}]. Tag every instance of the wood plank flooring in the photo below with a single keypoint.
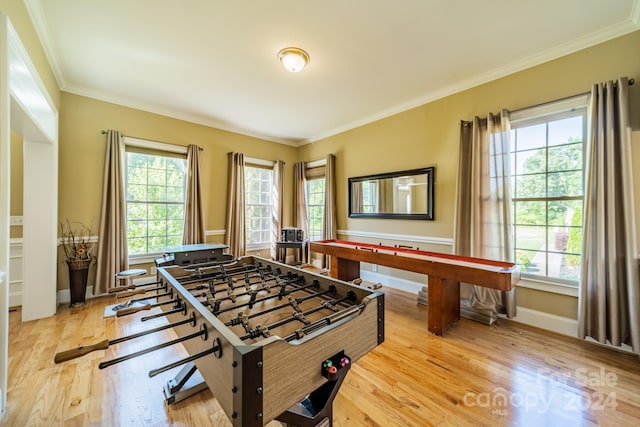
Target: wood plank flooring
[{"x": 506, "y": 374}]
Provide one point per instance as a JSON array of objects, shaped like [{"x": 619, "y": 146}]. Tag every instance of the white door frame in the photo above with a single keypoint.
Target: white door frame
[{"x": 27, "y": 109}]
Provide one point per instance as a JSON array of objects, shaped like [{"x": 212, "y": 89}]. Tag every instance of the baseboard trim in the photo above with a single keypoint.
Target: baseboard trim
[
  {"x": 547, "y": 321},
  {"x": 392, "y": 282},
  {"x": 527, "y": 316}
]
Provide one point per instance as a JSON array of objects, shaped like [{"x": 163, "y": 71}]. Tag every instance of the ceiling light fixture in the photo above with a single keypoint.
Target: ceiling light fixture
[{"x": 293, "y": 59}]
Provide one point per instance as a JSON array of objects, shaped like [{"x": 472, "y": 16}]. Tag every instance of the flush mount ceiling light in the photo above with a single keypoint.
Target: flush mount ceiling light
[{"x": 293, "y": 59}]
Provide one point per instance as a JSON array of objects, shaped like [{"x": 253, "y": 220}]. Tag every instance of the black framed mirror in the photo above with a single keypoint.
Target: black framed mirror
[{"x": 399, "y": 195}]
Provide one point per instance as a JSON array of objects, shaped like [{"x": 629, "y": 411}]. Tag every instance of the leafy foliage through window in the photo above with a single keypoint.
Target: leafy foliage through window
[
  {"x": 155, "y": 191},
  {"x": 315, "y": 207},
  {"x": 548, "y": 191},
  {"x": 258, "y": 185}
]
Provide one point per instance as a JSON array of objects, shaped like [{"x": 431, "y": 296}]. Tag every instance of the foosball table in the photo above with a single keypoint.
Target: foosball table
[{"x": 270, "y": 340}]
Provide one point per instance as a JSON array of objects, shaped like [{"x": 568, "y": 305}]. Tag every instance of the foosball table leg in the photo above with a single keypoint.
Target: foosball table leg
[{"x": 187, "y": 383}]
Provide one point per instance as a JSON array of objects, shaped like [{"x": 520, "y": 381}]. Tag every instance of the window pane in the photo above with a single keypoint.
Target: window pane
[
  {"x": 157, "y": 176},
  {"x": 137, "y": 245},
  {"x": 531, "y": 161},
  {"x": 531, "y": 137},
  {"x": 565, "y": 157},
  {"x": 530, "y": 213},
  {"x": 175, "y": 212},
  {"x": 565, "y": 212},
  {"x": 136, "y": 211},
  {"x": 565, "y": 130},
  {"x": 136, "y": 229},
  {"x": 175, "y": 227},
  {"x": 175, "y": 194},
  {"x": 157, "y": 211},
  {"x": 137, "y": 192},
  {"x": 156, "y": 193},
  {"x": 565, "y": 184},
  {"x": 570, "y": 267},
  {"x": 137, "y": 160},
  {"x": 137, "y": 175},
  {"x": 532, "y": 262},
  {"x": 157, "y": 244},
  {"x": 530, "y": 237},
  {"x": 174, "y": 241},
  {"x": 528, "y": 186}
]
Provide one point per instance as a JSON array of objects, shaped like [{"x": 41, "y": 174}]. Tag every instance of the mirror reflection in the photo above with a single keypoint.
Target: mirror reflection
[{"x": 402, "y": 195}]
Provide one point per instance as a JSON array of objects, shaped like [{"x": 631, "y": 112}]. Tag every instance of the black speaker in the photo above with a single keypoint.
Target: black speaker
[{"x": 291, "y": 235}]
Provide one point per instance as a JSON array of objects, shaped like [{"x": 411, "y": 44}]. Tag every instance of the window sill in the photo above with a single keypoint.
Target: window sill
[
  {"x": 258, "y": 246},
  {"x": 143, "y": 259},
  {"x": 554, "y": 288}
]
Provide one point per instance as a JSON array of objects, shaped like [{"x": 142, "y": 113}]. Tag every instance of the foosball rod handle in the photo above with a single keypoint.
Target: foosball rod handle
[
  {"x": 80, "y": 351},
  {"x": 131, "y": 310},
  {"x": 103, "y": 345},
  {"x": 116, "y": 289}
]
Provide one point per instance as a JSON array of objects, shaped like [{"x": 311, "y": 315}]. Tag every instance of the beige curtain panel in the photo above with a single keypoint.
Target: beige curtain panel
[
  {"x": 300, "y": 198},
  {"x": 193, "y": 209},
  {"x": 112, "y": 240},
  {"x": 329, "y": 230},
  {"x": 609, "y": 299},
  {"x": 483, "y": 206},
  {"x": 235, "y": 234},
  {"x": 277, "y": 205}
]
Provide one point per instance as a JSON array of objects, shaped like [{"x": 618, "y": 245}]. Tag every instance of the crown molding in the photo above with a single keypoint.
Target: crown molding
[
  {"x": 635, "y": 14},
  {"x": 584, "y": 42},
  {"x": 37, "y": 16},
  {"x": 174, "y": 114},
  {"x": 36, "y": 13}
]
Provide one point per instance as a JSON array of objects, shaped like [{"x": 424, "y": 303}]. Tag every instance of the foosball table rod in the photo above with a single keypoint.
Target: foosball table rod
[
  {"x": 103, "y": 345},
  {"x": 117, "y": 289},
  {"x": 201, "y": 333},
  {"x": 130, "y": 310}
]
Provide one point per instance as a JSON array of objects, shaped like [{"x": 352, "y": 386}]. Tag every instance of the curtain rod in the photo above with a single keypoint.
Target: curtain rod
[
  {"x": 150, "y": 140},
  {"x": 468, "y": 122}
]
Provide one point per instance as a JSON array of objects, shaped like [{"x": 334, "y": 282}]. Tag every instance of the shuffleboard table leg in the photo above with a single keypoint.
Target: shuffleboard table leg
[
  {"x": 443, "y": 305},
  {"x": 344, "y": 269}
]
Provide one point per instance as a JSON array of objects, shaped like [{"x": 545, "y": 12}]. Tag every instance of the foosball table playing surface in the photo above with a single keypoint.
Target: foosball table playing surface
[{"x": 270, "y": 340}]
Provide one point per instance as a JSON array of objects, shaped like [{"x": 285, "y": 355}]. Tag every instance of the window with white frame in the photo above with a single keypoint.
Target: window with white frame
[
  {"x": 370, "y": 198},
  {"x": 547, "y": 189},
  {"x": 258, "y": 181},
  {"x": 155, "y": 198},
  {"x": 315, "y": 207}
]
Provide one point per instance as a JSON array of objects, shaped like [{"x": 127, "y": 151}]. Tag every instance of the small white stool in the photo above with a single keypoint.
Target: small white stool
[{"x": 127, "y": 275}]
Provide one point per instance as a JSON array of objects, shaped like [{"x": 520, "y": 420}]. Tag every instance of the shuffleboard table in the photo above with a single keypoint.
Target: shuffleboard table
[{"x": 444, "y": 271}]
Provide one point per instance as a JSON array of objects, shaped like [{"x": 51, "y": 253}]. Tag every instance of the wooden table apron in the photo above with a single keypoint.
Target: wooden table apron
[{"x": 443, "y": 277}]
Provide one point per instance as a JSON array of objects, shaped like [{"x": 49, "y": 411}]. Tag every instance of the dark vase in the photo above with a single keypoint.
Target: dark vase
[{"x": 78, "y": 274}]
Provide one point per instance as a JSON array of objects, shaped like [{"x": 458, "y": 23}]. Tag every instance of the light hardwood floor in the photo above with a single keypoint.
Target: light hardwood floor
[{"x": 506, "y": 374}]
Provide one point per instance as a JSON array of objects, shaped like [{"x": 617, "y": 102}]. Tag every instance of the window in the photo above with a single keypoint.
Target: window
[
  {"x": 258, "y": 182},
  {"x": 155, "y": 193},
  {"x": 547, "y": 190},
  {"x": 315, "y": 207},
  {"x": 370, "y": 192}
]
